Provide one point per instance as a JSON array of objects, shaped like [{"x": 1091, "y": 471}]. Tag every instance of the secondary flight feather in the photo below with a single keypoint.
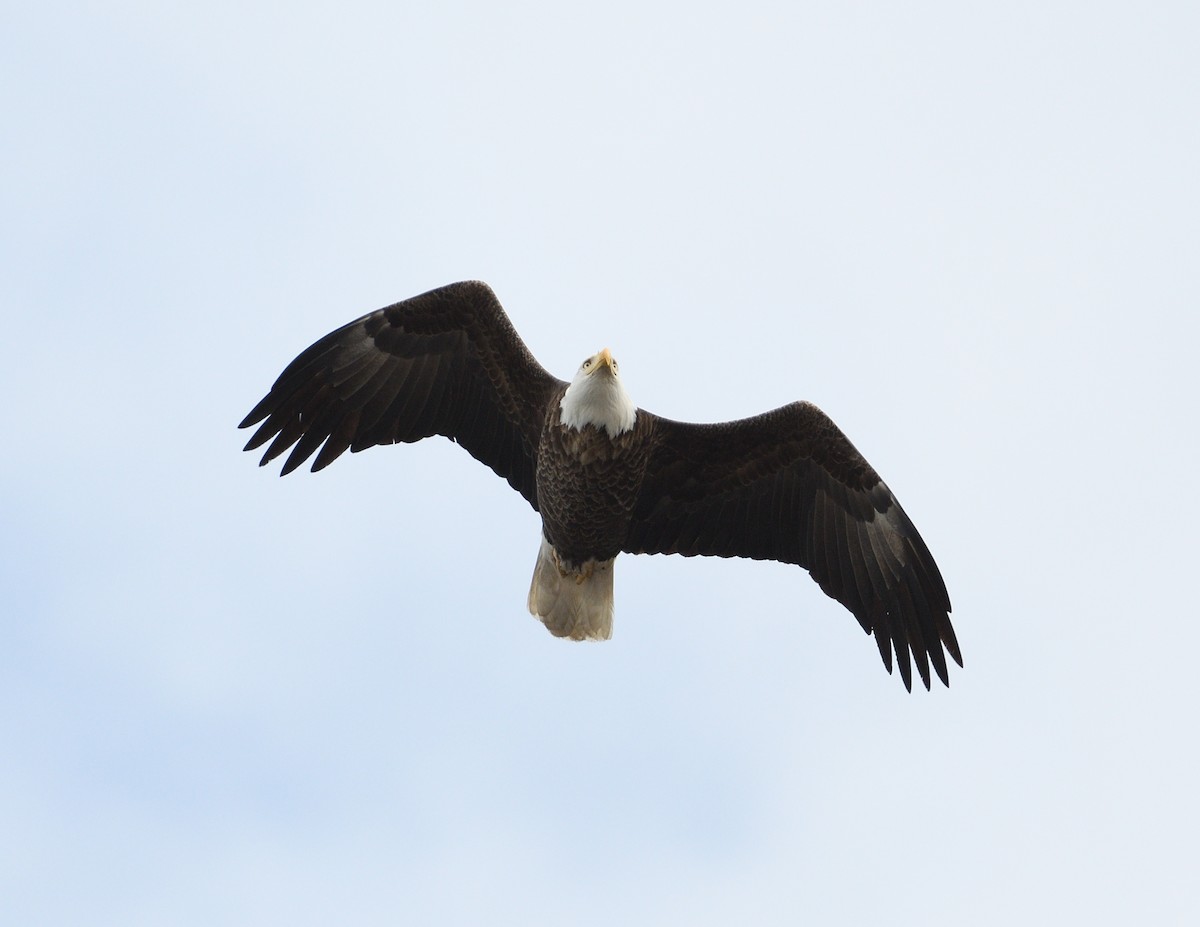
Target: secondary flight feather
[{"x": 610, "y": 478}]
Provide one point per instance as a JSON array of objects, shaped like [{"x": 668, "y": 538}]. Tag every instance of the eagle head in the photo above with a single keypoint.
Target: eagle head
[{"x": 597, "y": 397}]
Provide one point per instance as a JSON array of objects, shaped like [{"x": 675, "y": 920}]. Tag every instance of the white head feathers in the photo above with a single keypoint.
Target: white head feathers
[{"x": 597, "y": 397}]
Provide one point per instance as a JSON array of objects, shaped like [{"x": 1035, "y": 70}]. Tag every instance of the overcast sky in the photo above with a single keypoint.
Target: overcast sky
[{"x": 968, "y": 233}]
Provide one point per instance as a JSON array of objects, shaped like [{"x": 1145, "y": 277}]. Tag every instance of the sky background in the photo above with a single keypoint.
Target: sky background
[{"x": 968, "y": 232}]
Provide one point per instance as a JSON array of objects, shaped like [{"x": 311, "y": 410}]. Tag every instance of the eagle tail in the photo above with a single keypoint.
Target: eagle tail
[{"x": 574, "y": 603}]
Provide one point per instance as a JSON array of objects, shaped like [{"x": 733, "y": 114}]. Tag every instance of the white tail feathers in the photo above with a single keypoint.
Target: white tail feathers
[{"x": 574, "y": 604}]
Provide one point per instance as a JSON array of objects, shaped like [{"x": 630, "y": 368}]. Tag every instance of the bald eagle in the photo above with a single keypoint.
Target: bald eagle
[{"x": 607, "y": 477}]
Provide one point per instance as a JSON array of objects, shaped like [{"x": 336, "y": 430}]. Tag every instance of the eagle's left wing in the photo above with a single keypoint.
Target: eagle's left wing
[{"x": 789, "y": 486}]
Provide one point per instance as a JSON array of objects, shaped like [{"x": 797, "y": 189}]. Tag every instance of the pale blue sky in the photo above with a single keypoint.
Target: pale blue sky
[{"x": 968, "y": 233}]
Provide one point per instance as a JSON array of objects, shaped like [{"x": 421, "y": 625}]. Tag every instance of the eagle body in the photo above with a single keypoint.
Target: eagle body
[
  {"x": 587, "y": 481},
  {"x": 607, "y": 477}
]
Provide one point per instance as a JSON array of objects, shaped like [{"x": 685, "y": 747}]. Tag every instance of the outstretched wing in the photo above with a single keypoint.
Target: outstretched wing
[
  {"x": 447, "y": 362},
  {"x": 788, "y": 485}
]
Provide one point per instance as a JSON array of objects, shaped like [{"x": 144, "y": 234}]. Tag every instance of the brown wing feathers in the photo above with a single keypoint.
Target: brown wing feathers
[
  {"x": 789, "y": 486},
  {"x": 447, "y": 362}
]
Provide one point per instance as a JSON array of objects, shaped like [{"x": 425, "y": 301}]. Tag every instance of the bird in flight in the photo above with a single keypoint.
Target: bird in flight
[{"x": 610, "y": 478}]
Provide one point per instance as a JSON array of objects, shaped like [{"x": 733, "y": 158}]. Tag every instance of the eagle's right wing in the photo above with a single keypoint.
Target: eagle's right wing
[{"x": 446, "y": 362}]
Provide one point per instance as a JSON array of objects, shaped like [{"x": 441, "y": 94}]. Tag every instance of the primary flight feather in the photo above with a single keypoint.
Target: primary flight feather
[{"x": 608, "y": 477}]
